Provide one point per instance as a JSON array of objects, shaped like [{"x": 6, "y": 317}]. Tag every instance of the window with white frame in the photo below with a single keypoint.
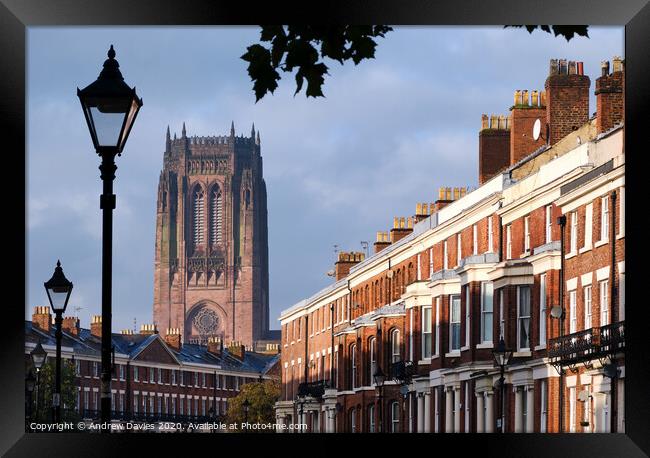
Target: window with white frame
[
  {"x": 173, "y": 376},
  {"x": 586, "y": 292},
  {"x": 159, "y": 406},
  {"x": 508, "y": 241},
  {"x": 468, "y": 307},
  {"x": 490, "y": 235},
  {"x": 372, "y": 345},
  {"x": 604, "y": 302},
  {"x": 394, "y": 417},
  {"x": 487, "y": 307},
  {"x": 543, "y": 406},
  {"x": 454, "y": 323},
  {"x": 621, "y": 206},
  {"x": 159, "y": 375},
  {"x": 573, "y": 312},
  {"x": 589, "y": 224},
  {"x": 586, "y": 412},
  {"x": 502, "y": 318},
  {"x": 527, "y": 233},
  {"x": 426, "y": 332},
  {"x": 445, "y": 264},
  {"x": 474, "y": 239},
  {"x": 437, "y": 325},
  {"x": 548, "y": 223},
  {"x": 151, "y": 375},
  {"x": 430, "y": 262},
  {"x": 572, "y": 409},
  {"x": 371, "y": 419},
  {"x": 523, "y": 317},
  {"x": 396, "y": 354},
  {"x": 524, "y": 410},
  {"x": 419, "y": 267},
  {"x": 604, "y": 218},
  {"x": 353, "y": 420},
  {"x": 135, "y": 403},
  {"x": 353, "y": 357},
  {"x": 542, "y": 309},
  {"x": 135, "y": 374},
  {"x": 458, "y": 248},
  {"x": 573, "y": 245},
  {"x": 122, "y": 371},
  {"x": 411, "y": 333}
]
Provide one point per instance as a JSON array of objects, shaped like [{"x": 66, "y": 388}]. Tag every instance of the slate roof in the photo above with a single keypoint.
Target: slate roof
[{"x": 132, "y": 344}]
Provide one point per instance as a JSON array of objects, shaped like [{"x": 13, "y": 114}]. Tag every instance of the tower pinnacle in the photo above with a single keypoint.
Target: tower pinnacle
[{"x": 232, "y": 128}]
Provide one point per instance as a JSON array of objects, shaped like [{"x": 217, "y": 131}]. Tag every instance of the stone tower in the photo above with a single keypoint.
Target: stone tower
[{"x": 211, "y": 274}]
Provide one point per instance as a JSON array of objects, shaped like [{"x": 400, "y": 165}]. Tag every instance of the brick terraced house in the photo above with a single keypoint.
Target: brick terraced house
[
  {"x": 535, "y": 255},
  {"x": 156, "y": 378}
]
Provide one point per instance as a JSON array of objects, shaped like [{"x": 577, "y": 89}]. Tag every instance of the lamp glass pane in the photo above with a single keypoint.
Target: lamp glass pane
[
  {"x": 58, "y": 296},
  {"x": 108, "y": 126}
]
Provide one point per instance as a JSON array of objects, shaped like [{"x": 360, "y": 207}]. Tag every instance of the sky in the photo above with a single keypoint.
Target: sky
[{"x": 388, "y": 134}]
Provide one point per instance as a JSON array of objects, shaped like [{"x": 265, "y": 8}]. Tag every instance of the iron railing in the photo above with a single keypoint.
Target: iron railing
[
  {"x": 403, "y": 371},
  {"x": 314, "y": 389},
  {"x": 586, "y": 345}
]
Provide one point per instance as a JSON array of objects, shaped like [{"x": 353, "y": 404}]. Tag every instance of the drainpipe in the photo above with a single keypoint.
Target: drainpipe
[
  {"x": 332, "y": 383},
  {"x": 614, "y": 312},
  {"x": 562, "y": 222}
]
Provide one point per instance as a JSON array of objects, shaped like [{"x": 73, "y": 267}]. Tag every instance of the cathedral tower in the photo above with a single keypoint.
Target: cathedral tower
[{"x": 211, "y": 274}]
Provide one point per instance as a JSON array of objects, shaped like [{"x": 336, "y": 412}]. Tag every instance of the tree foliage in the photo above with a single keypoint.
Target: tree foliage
[
  {"x": 303, "y": 48},
  {"x": 567, "y": 31},
  {"x": 46, "y": 391},
  {"x": 262, "y": 396}
]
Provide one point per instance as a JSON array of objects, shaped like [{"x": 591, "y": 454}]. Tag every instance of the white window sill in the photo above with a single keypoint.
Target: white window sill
[
  {"x": 584, "y": 249},
  {"x": 436, "y": 356},
  {"x": 424, "y": 361},
  {"x": 525, "y": 254},
  {"x": 485, "y": 345},
  {"x": 601, "y": 243},
  {"x": 522, "y": 354},
  {"x": 570, "y": 255},
  {"x": 620, "y": 236},
  {"x": 465, "y": 348},
  {"x": 540, "y": 347},
  {"x": 453, "y": 354}
]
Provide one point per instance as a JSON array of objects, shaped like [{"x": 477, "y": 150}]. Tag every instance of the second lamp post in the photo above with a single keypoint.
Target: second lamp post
[
  {"x": 501, "y": 357},
  {"x": 58, "y": 290},
  {"x": 110, "y": 107}
]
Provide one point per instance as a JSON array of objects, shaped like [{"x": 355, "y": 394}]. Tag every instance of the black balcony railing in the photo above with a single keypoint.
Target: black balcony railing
[
  {"x": 586, "y": 345},
  {"x": 313, "y": 389},
  {"x": 402, "y": 371}
]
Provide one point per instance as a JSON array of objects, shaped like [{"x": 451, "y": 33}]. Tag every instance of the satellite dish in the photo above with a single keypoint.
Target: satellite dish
[
  {"x": 556, "y": 311},
  {"x": 583, "y": 396},
  {"x": 537, "y": 129}
]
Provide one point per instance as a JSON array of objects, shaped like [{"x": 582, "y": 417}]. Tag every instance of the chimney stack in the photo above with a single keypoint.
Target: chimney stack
[
  {"x": 41, "y": 318},
  {"x": 610, "y": 96},
  {"x": 523, "y": 115},
  {"x": 71, "y": 325},
  {"x": 237, "y": 349},
  {"x": 421, "y": 212},
  {"x": 382, "y": 242},
  {"x": 215, "y": 345},
  {"x": 401, "y": 228},
  {"x": 173, "y": 338},
  {"x": 567, "y": 96},
  {"x": 345, "y": 261},
  {"x": 96, "y": 326},
  {"x": 148, "y": 329}
]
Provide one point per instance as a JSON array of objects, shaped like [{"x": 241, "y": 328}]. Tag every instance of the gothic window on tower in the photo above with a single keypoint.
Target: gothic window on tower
[
  {"x": 197, "y": 213},
  {"x": 216, "y": 215},
  {"x": 247, "y": 197}
]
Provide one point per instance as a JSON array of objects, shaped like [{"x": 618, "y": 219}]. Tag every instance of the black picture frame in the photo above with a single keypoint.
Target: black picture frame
[{"x": 17, "y": 15}]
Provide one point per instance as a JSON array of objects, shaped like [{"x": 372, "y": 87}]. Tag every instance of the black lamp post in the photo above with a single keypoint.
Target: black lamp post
[
  {"x": 58, "y": 290},
  {"x": 110, "y": 107},
  {"x": 501, "y": 357},
  {"x": 38, "y": 355},
  {"x": 379, "y": 378},
  {"x": 247, "y": 406}
]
